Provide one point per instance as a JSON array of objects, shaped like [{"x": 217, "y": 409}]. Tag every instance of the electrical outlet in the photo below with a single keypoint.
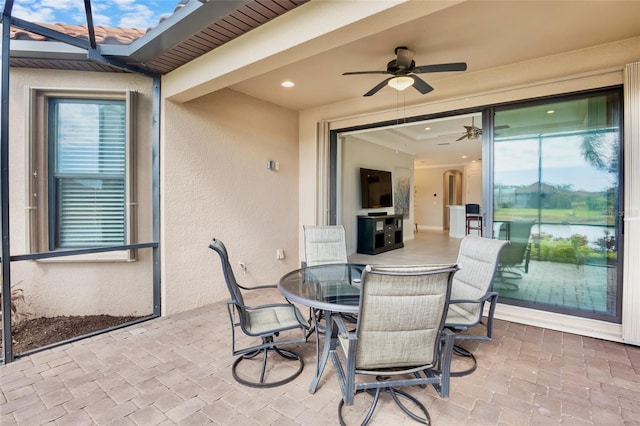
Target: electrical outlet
[{"x": 279, "y": 254}]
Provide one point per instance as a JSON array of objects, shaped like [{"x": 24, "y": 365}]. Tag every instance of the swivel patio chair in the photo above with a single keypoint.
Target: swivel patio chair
[
  {"x": 265, "y": 322},
  {"x": 326, "y": 244},
  {"x": 471, "y": 289},
  {"x": 399, "y": 340},
  {"x": 514, "y": 259}
]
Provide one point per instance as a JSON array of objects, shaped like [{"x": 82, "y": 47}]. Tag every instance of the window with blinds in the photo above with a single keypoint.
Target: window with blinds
[{"x": 87, "y": 172}]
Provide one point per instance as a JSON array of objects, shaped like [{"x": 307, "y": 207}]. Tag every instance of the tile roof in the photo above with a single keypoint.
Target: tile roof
[
  {"x": 242, "y": 18},
  {"x": 104, "y": 35}
]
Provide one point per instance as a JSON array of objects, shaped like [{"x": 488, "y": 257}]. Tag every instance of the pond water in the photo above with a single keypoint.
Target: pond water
[{"x": 592, "y": 232}]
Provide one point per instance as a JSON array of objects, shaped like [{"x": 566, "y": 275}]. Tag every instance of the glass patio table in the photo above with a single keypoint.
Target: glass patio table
[{"x": 332, "y": 288}]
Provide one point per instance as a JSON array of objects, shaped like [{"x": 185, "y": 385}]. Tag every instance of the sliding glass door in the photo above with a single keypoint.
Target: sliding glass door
[{"x": 556, "y": 197}]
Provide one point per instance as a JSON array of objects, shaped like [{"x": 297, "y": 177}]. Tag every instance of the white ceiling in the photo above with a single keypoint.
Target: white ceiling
[
  {"x": 433, "y": 142},
  {"x": 484, "y": 34}
]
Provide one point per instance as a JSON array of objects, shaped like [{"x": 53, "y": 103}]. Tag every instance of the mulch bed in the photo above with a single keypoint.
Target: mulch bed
[{"x": 38, "y": 332}]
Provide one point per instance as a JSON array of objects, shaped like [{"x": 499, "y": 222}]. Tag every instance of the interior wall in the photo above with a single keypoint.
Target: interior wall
[
  {"x": 215, "y": 183},
  {"x": 430, "y": 196},
  {"x": 473, "y": 183},
  {"x": 357, "y": 153},
  {"x": 62, "y": 286}
]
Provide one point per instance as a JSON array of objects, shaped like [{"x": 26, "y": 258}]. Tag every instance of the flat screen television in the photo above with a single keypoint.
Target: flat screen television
[{"x": 375, "y": 187}]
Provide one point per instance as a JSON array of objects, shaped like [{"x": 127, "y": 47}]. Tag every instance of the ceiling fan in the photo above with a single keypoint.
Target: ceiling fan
[
  {"x": 403, "y": 72},
  {"x": 473, "y": 132}
]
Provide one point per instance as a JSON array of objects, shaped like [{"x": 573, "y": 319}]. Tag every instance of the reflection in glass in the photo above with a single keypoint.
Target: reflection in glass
[{"x": 556, "y": 184}]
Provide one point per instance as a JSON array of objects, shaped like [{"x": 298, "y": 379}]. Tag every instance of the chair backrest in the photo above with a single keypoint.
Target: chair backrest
[
  {"x": 401, "y": 315},
  {"x": 473, "y": 209},
  {"x": 229, "y": 277},
  {"x": 477, "y": 263},
  {"x": 324, "y": 244},
  {"x": 518, "y": 233}
]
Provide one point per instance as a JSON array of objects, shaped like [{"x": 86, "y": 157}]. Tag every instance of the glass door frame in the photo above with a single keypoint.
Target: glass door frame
[
  {"x": 488, "y": 121},
  {"x": 488, "y": 166}
]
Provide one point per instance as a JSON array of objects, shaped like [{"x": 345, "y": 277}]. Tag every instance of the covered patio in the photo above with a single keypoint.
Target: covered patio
[{"x": 177, "y": 370}]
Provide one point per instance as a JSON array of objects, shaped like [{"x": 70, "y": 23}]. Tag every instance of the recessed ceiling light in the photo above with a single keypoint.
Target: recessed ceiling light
[
  {"x": 287, "y": 83},
  {"x": 551, "y": 111},
  {"x": 464, "y": 156},
  {"x": 427, "y": 128}
]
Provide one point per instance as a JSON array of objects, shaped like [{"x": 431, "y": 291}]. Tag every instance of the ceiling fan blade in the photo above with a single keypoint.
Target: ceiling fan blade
[
  {"x": 378, "y": 87},
  {"x": 421, "y": 85},
  {"x": 455, "y": 66},
  {"x": 364, "y": 72},
  {"x": 462, "y": 137}
]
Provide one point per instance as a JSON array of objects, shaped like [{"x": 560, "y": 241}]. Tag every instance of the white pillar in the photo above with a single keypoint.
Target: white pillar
[{"x": 631, "y": 283}]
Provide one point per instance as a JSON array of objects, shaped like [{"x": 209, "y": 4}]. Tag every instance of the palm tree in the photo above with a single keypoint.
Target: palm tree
[{"x": 601, "y": 151}]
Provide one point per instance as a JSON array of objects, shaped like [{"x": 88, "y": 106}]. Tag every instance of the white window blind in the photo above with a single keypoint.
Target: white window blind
[{"x": 87, "y": 196}]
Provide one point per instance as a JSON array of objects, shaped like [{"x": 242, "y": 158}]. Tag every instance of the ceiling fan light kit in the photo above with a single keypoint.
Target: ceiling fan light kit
[
  {"x": 400, "y": 83},
  {"x": 403, "y": 72}
]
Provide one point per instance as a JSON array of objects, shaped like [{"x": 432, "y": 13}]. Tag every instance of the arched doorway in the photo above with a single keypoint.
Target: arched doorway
[{"x": 452, "y": 188}]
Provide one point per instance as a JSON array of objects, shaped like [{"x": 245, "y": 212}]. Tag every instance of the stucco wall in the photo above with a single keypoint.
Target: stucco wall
[
  {"x": 215, "y": 183},
  {"x": 64, "y": 287}
]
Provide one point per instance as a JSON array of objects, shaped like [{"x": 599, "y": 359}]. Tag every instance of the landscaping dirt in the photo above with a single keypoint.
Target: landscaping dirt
[{"x": 38, "y": 332}]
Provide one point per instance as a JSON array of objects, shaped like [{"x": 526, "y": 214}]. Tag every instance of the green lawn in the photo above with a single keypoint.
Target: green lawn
[{"x": 570, "y": 216}]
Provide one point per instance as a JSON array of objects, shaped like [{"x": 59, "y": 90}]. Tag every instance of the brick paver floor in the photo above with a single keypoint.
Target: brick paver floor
[{"x": 176, "y": 370}]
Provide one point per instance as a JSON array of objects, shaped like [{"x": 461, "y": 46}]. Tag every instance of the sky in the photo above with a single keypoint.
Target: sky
[
  {"x": 562, "y": 164},
  {"x": 140, "y": 14}
]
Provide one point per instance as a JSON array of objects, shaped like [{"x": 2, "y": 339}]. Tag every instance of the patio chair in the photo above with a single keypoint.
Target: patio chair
[
  {"x": 399, "y": 340},
  {"x": 265, "y": 322},
  {"x": 514, "y": 259},
  {"x": 471, "y": 289},
  {"x": 326, "y": 244}
]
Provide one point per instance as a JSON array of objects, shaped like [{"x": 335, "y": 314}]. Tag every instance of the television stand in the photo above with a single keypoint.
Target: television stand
[{"x": 377, "y": 234}]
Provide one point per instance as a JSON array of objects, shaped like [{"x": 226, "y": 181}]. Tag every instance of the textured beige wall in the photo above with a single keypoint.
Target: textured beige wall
[
  {"x": 215, "y": 183},
  {"x": 63, "y": 287}
]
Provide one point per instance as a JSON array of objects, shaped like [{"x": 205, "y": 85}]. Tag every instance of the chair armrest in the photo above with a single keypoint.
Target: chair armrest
[
  {"x": 270, "y": 305},
  {"x": 342, "y": 328},
  {"x": 487, "y": 296},
  {"x": 258, "y": 287}
]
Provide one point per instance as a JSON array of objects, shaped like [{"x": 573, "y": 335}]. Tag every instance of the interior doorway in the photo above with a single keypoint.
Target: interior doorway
[{"x": 452, "y": 188}]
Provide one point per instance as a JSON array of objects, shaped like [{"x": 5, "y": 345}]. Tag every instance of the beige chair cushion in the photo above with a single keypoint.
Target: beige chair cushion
[
  {"x": 400, "y": 317},
  {"x": 324, "y": 244},
  {"x": 477, "y": 260}
]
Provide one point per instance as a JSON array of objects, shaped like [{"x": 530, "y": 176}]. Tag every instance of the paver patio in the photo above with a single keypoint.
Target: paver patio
[{"x": 176, "y": 370}]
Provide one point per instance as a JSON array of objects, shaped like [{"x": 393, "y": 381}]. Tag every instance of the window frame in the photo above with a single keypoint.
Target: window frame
[{"x": 38, "y": 185}]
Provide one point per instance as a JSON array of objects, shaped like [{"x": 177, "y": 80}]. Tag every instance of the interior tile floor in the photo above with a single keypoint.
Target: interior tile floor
[{"x": 176, "y": 370}]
